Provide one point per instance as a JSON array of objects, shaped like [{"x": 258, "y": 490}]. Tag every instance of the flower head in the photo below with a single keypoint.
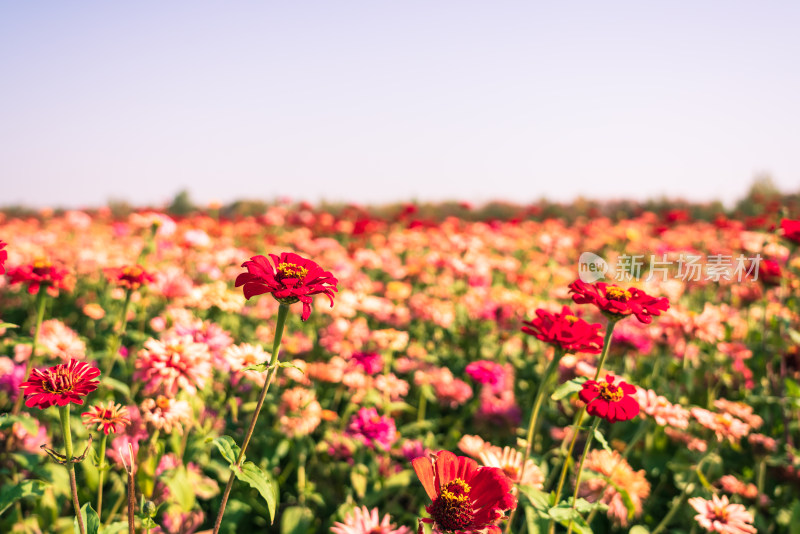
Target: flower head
[
  {"x": 724, "y": 425},
  {"x": 167, "y": 414},
  {"x": 617, "y": 476},
  {"x": 718, "y": 515},
  {"x": 616, "y": 302},
  {"x": 40, "y": 273},
  {"x": 364, "y": 521},
  {"x": 293, "y": 278},
  {"x": 791, "y": 230},
  {"x": 565, "y": 330},
  {"x": 465, "y": 497},
  {"x": 130, "y": 276},
  {"x": 60, "y": 384},
  {"x": 371, "y": 429},
  {"x": 3, "y": 256},
  {"x": 110, "y": 418},
  {"x": 613, "y": 402},
  {"x": 176, "y": 363}
]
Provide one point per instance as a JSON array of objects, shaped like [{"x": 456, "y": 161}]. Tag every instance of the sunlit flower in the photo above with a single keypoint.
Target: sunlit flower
[
  {"x": 166, "y": 414},
  {"x": 718, "y": 515},
  {"x": 661, "y": 410},
  {"x": 724, "y": 425},
  {"x": 293, "y": 278},
  {"x": 176, "y": 363},
  {"x": 60, "y": 341},
  {"x": 40, "y": 273},
  {"x": 372, "y": 429},
  {"x": 510, "y": 461},
  {"x": 109, "y": 418},
  {"x": 130, "y": 276},
  {"x": 363, "y": 521},
  {"x": 486, "y": 372},
  {"x": 613, "y": 402},
  {"x": 465, "y": 497},
  {"x": 616, "y": 476},
  {"x": 370, "y": 362},
  {"x": 731, "y": 484},
  {"x": 617, "y": 302},
  {"x": 565, "y": 330},
  {"x": 60, "y": 385},
  {"x": 300, "y": 412},
  {"x": 791, "y": 230}
]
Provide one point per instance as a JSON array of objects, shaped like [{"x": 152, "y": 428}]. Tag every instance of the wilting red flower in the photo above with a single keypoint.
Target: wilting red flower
[
  {"x": 60, "y": 384},
  {"x": 3, "y": 256},
  {"x": 293, "y": 278},
  {"x": 613, "y": 402},
  {"x": 40, "y": 273},
  {"x": 616, "y": 302},
  {"x": 465, "y": 497},
  {"x": 130, "y": 277},
  {"x": 718, "y": 515},
  {"x": 110, "y": 418},
  {"x": 791, "y": 230},
  {"x": 565, "y": 330}
]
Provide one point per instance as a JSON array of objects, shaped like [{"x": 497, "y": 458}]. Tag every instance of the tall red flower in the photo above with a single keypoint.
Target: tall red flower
[
  {"x": 565, "y": 330},
  {"x": 110, "y": 418},
  {"x": 616, "y": 302},
  {"x": 791, "y": 230},
  {"x": 613, "y": 402},
  {"x": 59, "y": 385},
  {"x": 292, "y": 279},
  {"x": 770, "y": 272},
  {"x": 129, "y": 277},
  {"x": 3, "y": 256},
  {"x": 465, "y": 497},
  {"x": 40, "y": 273}
]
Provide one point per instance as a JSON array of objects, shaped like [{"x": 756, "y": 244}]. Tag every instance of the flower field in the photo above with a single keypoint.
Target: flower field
[{"x": 309, "y": 371}]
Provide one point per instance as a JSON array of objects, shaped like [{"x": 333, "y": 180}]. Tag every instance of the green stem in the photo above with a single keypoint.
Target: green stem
[
  {"x": 533, "y": 422},
  {"x": 63, "y": 411},
  {"x": 102, "y": 471},
  {"x": 283, "y": 311},
  {"x": 40, "y": 304},
  {"x": 579, "y": 417},
  {"x": 580, "y": 468}
]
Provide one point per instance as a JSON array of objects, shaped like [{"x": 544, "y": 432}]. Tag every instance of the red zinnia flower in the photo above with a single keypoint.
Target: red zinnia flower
[
  {"x": 565, "y": 330},
  {"x": 616, "y": 302},
  {"x": 770, "y": 272},
  {"x": 791, "y": 230},
  {"x": 130, "y": 276},
  {"x": 612, "y": 402},
  {"x": 3, "y": 256},
  {"x": 293, "y": 278},
  {"x": 465, "y": 497},
  {"x": 60, "y": 384},
  {"x": 40, "y": 272},
  {"x": 110, "y": 418}
]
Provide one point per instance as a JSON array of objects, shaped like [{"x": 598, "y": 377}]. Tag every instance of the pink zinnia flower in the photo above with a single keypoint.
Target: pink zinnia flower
[
  {"x": 486, "y": 372},
  {"x": 110, "y": 418},
  {"x": 60, "y": 341},
  {"x": 167, "y": 414},
  {"x": 177, "y": 363},
  {"x": 724, "y": 425},
  {"x": 292, "y": 279},
  {"x": 718, "y": 515},
  {"x": 364, "y": 521},
  {"x": 371, "y": 429},
  {"x": 60, "y": 385},
  {"x": 300, "y": 412},
  {"x": 3, "y": 256},
  {"x": 370, "y": 362}
]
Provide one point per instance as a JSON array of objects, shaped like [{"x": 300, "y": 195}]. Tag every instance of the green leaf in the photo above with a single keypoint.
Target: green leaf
[
  {"x": 626, "y": 498},
  {"x": 794, "y": 522},
  {"x": 259, "y": 479},
  {"x": 10, "y": 494},
  {"x": 227, "y": 448},
  {"x": 290, "y": 364},
  {"x": 114, "y": 528},
  {"x": 358, "y": 479},
  {"x": 539, "y": 499},
  {"x": 116, "y": 385},
  {"x": 260, "y": 367},
  {"x": 568, "y": 388},
  {"x": 8, "y": 325},
  {"x": 563, "y": 513},
  {"x": 792, "y": 387},
  {"x": 182, "y": 491},
  {"x": 533, "y": 519},
  {"x": 795, "y": 335},
  {"x": 639, "y": 529},
  {"x": 90, "y": 520},
  {"x": 296, "y": 520},
  {"x": 598, "y": 436}
]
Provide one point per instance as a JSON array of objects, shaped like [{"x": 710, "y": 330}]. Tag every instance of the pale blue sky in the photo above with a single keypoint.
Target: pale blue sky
[{"x": 372, "y": 101}]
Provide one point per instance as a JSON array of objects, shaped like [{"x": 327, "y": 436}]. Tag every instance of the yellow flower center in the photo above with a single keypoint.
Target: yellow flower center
[
  {"x": 162, "y": 402},
  {"x": 723, "y": 419},
  {"x": 290, "y": 270},
  {"x": 611, "y": 393},
  {"x": 571, "y": 319},
  {"x": 452, "y": 509},
  {"x": 41, "y": 263},
  {"x": 617, "y": 293},
  {"x": 132, "y": 271}
]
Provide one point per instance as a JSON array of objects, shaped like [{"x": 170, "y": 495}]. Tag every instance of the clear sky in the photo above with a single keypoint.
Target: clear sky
[{"x": 376, "y": 101}]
